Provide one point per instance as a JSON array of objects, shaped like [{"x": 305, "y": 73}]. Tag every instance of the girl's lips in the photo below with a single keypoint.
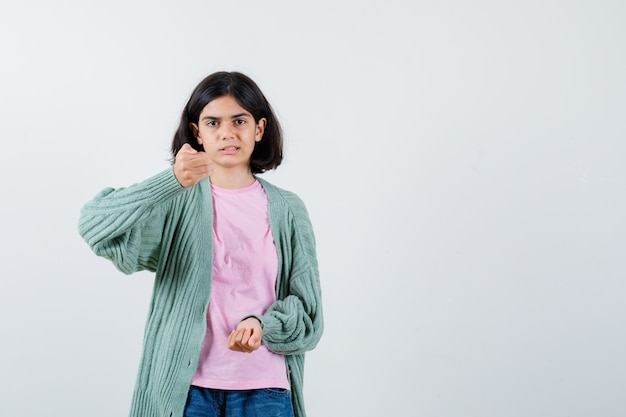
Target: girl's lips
[{"x": 229, "y": 149}]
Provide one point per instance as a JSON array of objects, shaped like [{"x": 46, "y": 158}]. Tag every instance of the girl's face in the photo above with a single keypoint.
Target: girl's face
[{"x": 228, "y": 132}]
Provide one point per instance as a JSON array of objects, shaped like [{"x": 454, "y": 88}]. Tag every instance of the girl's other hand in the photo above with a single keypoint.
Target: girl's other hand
[
  {"x": 191, "y": 166},
  {"x": 247, "y": 336}
]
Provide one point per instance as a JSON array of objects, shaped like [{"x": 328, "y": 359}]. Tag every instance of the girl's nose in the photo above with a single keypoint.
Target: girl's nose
[{"x": 226, "y": 132}]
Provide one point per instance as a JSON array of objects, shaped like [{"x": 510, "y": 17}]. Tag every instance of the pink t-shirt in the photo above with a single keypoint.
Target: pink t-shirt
[{"x": 245, "y": 266}]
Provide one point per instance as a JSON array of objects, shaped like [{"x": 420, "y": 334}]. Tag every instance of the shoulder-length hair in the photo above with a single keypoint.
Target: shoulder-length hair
[{"x": 268, "y": 153}]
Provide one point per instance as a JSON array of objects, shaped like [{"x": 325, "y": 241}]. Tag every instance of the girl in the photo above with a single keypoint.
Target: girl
[{"x": 236, "y": 300}]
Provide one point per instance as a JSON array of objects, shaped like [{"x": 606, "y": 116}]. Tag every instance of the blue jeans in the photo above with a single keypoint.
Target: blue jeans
[{"x": 266, "y": 402}]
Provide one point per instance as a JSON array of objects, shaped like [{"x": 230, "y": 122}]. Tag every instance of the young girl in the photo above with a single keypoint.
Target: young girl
[{"x": 236, "y": 300}]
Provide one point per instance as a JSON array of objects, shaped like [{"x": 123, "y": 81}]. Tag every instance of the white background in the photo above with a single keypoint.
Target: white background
[{"x": 464, "y": 165}]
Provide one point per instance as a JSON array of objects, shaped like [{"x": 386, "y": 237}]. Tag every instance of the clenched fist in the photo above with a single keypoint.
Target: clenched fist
[
  {"x": 191, "y": 166},
  {"x": 247, "y": 337}
]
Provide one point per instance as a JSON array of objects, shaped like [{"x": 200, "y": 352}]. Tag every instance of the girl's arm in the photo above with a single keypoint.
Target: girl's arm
[
  {"x": 125, "y": 225},
  {"x": 294, "y": 324}
]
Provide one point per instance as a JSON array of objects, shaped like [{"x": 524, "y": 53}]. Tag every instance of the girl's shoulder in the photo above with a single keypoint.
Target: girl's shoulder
[{"x": 278, "y": 194}]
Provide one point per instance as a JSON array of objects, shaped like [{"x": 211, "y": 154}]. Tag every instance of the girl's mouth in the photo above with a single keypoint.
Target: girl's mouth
[{"x": 229, "y": 149}]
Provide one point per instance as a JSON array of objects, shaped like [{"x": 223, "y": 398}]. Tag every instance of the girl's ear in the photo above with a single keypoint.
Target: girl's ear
[
  {"x": 260, "y": 128},
  {"x": 195, "y": 131}
]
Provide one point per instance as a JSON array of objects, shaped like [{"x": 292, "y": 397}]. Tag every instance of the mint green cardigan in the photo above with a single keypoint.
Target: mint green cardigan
[{"x": 159, "y": 226}]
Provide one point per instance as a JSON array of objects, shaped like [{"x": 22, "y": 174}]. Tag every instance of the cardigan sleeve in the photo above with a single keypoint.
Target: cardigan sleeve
[
  {"x": 294, "y": 323},
  {"x": 125, "y": 225}
]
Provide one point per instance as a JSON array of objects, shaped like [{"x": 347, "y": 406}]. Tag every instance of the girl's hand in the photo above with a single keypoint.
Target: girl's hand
[
  {"x": 247, "y": 336},
  {"x": 191, "y": 166}
]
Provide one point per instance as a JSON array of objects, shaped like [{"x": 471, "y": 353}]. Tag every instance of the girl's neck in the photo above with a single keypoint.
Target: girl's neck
[{"x": 232, "y": 179}]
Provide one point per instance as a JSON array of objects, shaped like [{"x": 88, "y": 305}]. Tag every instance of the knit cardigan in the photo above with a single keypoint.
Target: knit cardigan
[{"x": 160, "y": 226}]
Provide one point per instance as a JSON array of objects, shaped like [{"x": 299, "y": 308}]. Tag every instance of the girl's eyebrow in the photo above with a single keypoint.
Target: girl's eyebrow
[{"x": 234, "y": 116}]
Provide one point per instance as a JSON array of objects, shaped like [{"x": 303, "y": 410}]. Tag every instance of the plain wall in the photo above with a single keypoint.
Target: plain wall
[{"x": 464, "y": 165}]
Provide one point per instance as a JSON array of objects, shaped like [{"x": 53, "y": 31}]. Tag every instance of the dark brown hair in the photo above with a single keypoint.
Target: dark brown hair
[{"x": 268, "y": 153}]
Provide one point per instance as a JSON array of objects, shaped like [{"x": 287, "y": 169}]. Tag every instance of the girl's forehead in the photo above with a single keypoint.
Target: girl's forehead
[{"x": 224, "y": 105}]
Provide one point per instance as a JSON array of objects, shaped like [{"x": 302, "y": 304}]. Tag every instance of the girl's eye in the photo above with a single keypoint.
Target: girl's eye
[
  {"x": 240, "y": 122},
  {"x": 212, "y": 123}
]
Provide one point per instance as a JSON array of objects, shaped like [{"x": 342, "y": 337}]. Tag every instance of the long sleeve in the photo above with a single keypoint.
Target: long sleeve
[
  {"x": 125, "y": 225},
  {"x": 160, "y": 226},
  {"x": 294, "y": 324}
]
